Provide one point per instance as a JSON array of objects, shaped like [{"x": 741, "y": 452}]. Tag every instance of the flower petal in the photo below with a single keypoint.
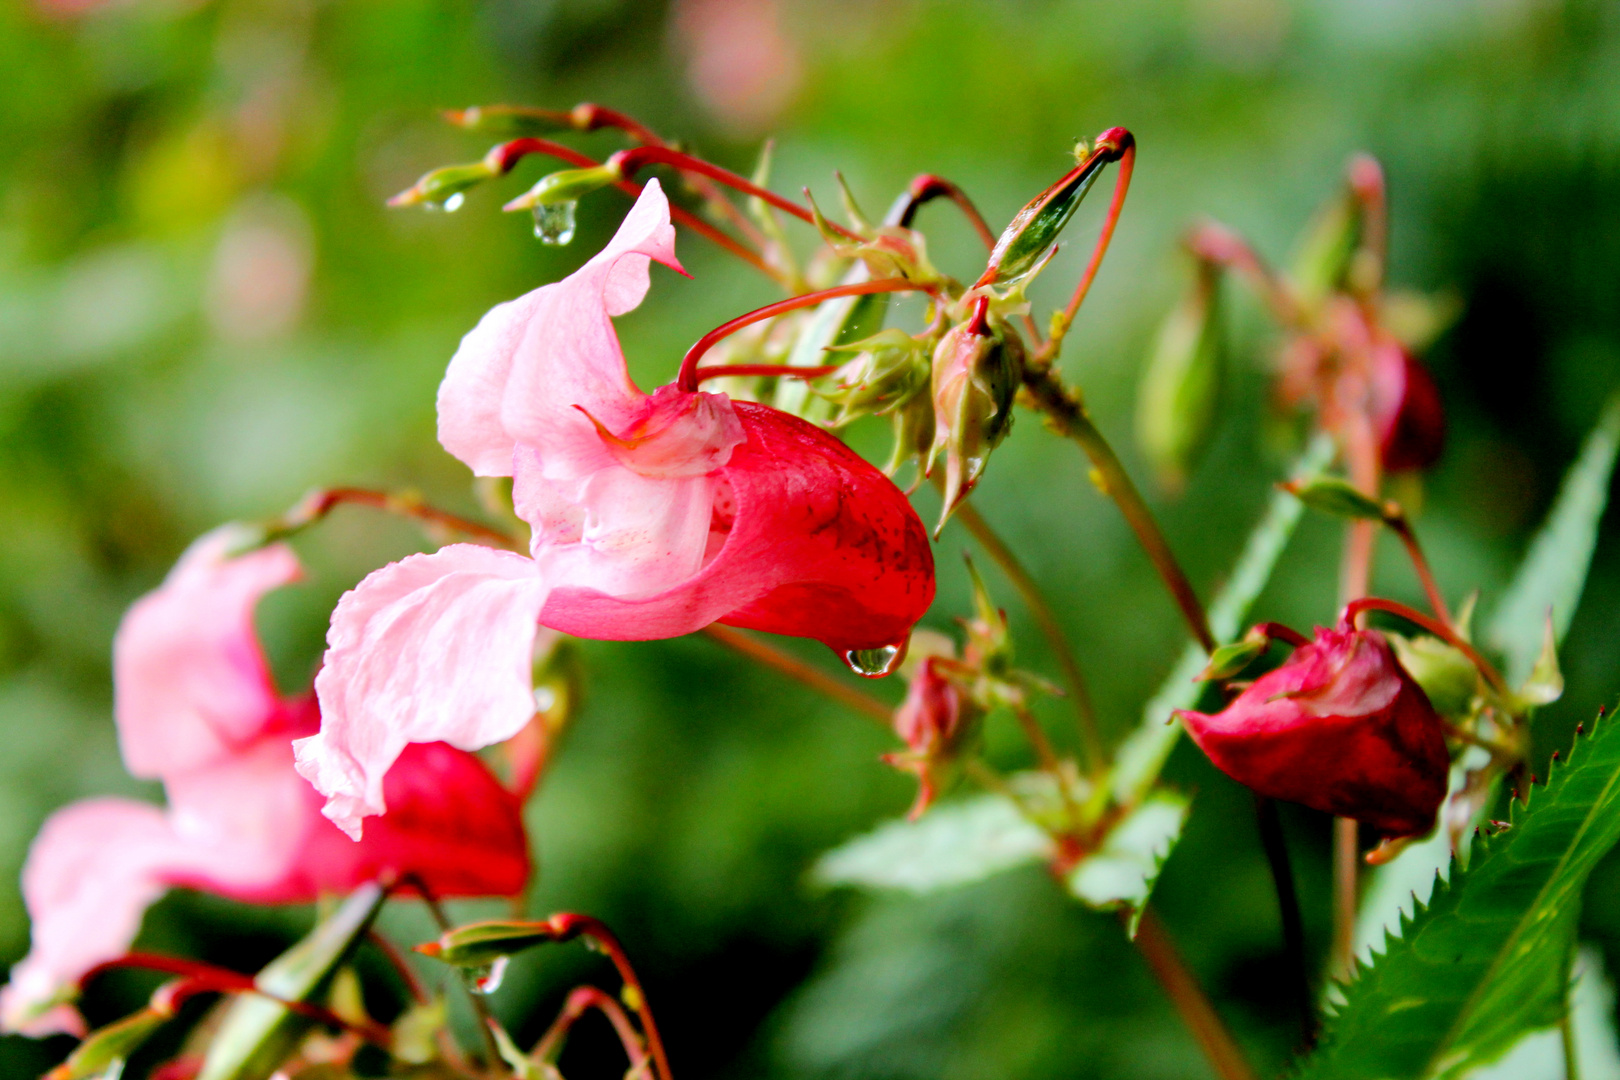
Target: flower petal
[
  {"x": 823, "y": 545},
  {"x": 519, "y": 374},
  {"x": 190, "y": 678},
  {"x": 432, "y": 648}
]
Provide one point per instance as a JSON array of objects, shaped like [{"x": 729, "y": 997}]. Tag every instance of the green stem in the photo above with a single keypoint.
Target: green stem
[
  {"x": 1084, "y": 708},
  {"x": 480, "y": 1007},
  {"x": 1067, "y": 415}
]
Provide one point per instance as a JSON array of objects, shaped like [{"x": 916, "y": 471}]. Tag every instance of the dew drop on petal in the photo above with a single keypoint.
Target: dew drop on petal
[
  {"x": 874, "y": 663},
  {"x": 554, "y": 223},
  {"x": 486, "y": 978}
]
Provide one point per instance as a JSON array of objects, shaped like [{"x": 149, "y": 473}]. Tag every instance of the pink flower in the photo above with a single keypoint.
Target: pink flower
[
  {"x": 929, "y": 721},
  {"x": 196, "y": 709},
  {"x": 652, "y": 516},
  {"x": 1340, "y": 727}
]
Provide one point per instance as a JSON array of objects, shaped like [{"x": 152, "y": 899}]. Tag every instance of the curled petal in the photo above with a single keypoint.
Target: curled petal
[
  {"x": 191, "y": 681},
  {"x": 1340, "y": 727},
  {"x": 822, "y": 545},
  {"x": 432, "y": 648},
  {"x": 520, "y": 373}
]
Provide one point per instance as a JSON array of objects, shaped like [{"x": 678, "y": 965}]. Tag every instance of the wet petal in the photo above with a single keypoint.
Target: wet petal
[{"x": 432, "y": 648}]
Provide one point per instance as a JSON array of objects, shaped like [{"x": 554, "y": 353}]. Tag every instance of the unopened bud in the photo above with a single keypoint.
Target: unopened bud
[
  {"x": 1231, "y": 659},
  {"x": 511, "y": 120},
  {"x": 1447, "y": 677},
  {"x": 1181, "y": 385},
  {"x": 887, "y": 371},
  {"x": 1333, "y": 495},
  {"x": 566, "y": 186},
  {"x": 1326, "y": 250},
  {"x": 1029, "y": 236},
  {"x": 446, "y": 188},
  {"x": 977, "y": 369}
]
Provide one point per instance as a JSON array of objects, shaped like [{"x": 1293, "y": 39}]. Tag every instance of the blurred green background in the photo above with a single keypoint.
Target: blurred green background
[{"x": 205, "y": 309}]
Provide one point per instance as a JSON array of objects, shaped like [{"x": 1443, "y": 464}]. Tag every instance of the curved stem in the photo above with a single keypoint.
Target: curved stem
[
  {"x": 1084, "y": 708},
  {"x": 1216, "y": 244},
  {"x": 688, "y": 378},
  {"x": 1068, "y": 416},
  {"x": 1116, "y": 144},
  {"x": 318, "y": 503},
  {"x": 1293, "y": 925},
  {"x": 794, "y": 668},
  {"x": 508, "y": 154},
  {"x": 568, "y": 926},
  {"x": 580, "y": 1000},
  {"x": 1220, "y": 1049},
  {"x": 785, "y": 371},
  {"x": 1431, "y": 588},
  {"x": 927, "y": 187},
  {"x": 1440, "y": 630},
  {"x": 631, "y": 161},
  {"x": 1282, "y": 632}
]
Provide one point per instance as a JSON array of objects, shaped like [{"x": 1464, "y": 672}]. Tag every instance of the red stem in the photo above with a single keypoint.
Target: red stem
[
  {"x": 1217, "y": 244},
  {"x": 688, "y": 378},
  {"x": 567, "y": 926},
  {"x": 1354, "y": 608},
  {"x": 206, "y": 978},
  {"x": 631, "y": 161},
  {"x": 510, "y": 153},
  {"x": 786, "y": 371},
  {"x": 1282, "y": 632},
  {"x": 1113, "y": 144},
  {"x": 1367, "y": 184},
  {"x": 320, "y": 502},
  {"x": 581, "y": 999},
  {"x": 1414, "y": 551},
  {"x": 927, "y": 187}
]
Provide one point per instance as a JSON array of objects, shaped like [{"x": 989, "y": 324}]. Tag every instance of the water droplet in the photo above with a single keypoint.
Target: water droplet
[
  {"x": 554, "y": 222},
  {"x": 545, "y": 699},
  {"x": 449, "y": 204},
  {"x": 486, "y": 978},
  {"x": 875, "y": 663},
  {"x": 114, "y": 1070}
]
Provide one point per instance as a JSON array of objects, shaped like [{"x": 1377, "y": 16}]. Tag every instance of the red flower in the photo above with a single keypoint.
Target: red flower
[
  {"x": 929, "y": 721},
  {"x": 1406, "y": 412},
  {"x": 1341, "y": 727}
]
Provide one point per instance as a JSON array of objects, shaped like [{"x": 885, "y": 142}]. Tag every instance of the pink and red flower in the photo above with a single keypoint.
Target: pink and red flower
[
  {"x": 652, "y": 516},
  {"x": 196, "y": 709}
]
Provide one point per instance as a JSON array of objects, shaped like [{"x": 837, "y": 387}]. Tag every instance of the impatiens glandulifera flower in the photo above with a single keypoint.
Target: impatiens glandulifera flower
[
  {"x": 1340, "y": 727},
  {"x": 652, "y": 516},
  {"x": 196, "y": 709},
  {"x": 1406, "y": 411}
]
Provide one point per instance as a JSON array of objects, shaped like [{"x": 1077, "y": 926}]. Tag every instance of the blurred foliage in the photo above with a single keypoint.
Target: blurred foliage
[{"x": 206, "y": 309}]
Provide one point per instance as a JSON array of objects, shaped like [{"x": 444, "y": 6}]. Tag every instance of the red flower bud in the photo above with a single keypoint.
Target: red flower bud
[
  {"x": 1340, "y": 727},
  {"x": 929, "y": 720},
  {"x": 1407, "y": 414}
]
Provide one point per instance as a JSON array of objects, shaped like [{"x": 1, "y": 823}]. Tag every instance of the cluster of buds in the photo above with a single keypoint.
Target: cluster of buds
[
  {"x": 1348, "y": 350},
  {"x": 949, "y": 692}
]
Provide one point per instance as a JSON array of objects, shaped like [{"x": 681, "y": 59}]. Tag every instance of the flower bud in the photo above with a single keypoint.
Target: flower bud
[
  {"x": 1448, "y": 678},
  {"x": 887, "y": 372},
  {"x": 977, "y": 369},
  {"x": 1340, "y": 727},
  {"x": 445, "y": 189},
  {"x": 1322, "y": 262},
  {"x": 1021, "y": 249},
  {"x": 1407, "y": 414},
  {"x": 1181, "y": 383},
  {"x": 929, "y": 721}
]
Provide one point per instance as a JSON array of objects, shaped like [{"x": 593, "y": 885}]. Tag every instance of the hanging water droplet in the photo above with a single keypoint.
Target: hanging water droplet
[
  {"x": 449, "y": 204},
  {"x": 114, "y": 1070},
  {"x": 875, "y": 663},
  {"x": 486, "y": 978},
  {"x": 554, "y": 222}
]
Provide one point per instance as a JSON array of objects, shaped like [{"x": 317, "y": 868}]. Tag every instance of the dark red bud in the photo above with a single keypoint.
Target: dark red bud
[
  {"x": 929, "y": 721},
  {"x": 1406, "y": 411},
  {"x": 1340, "y": 727}
]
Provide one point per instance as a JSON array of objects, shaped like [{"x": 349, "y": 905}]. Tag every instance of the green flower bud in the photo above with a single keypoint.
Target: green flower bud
[
  {"x": 977, "y": 369},
  {"x": 1447, "y": 677},
  {"x": 445, "y": 189},
  {"x": 1327, "y": 248},
  {"x": 1177, "y": 402},
  {"x": 888, "y": 371},
  {"x": 1336, "y": 496},
  {"x": 566, "y": 186}
]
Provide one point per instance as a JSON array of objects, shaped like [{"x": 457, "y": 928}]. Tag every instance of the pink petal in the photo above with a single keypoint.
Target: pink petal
[
  {"x": 823, "y": 545},
  {"x": 432, "y": 648},
  {"x": 519, "y": 374},
  {"x": 91, "y": 874},
  {"x": 191, "y": 681}
]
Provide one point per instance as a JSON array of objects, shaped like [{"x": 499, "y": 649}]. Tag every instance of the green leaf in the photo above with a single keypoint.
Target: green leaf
[
  {"x": 1121, "y": 873},
  {"x": 1486, "y": 960},
  {"x": 104, "y": 1051},
  {"x": 953, "y": 844},
  {"x": 1540, "y": 1055},
  {"x": 1554, "y": 571},
  {"x": 258, "y": 1033},
  {"x": 1143, "y": 753}
]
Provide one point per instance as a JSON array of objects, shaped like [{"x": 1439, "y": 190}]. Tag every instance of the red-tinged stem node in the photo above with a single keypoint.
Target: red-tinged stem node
[
  {"x": 631, "y": 161},
  {"x": 580, "y": 1001},
  {"x": 928, "y": 187},
  {"x": 689, "y": 376},
  {"x": 1354, "y": 608}
]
